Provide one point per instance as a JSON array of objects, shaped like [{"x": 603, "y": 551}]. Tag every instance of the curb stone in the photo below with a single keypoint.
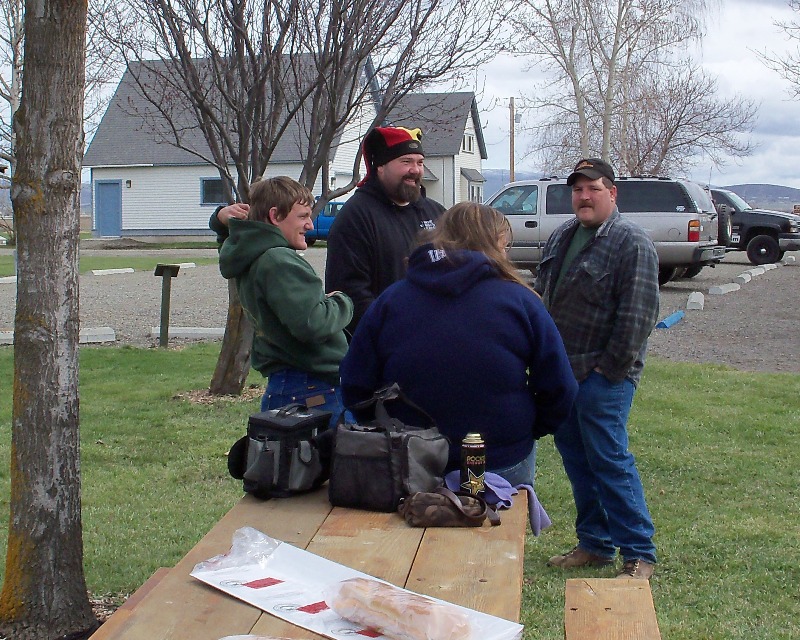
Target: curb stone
[
  {"x": 108, "y": 272},
  {"x": 696, "y": 301},
  {"x": 724, "y": 288},
  {"x": 97, "y": 335},
  {"x": 189, "y": 332}
]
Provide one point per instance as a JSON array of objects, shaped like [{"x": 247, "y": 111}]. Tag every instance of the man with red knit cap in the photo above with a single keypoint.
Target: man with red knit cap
[{"x": 377, "y": 227}]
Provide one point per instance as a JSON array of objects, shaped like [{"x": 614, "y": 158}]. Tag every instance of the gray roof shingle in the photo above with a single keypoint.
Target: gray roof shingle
[
  {"x": 124, "y": 138},
  {"x": 441, "y": 116}
]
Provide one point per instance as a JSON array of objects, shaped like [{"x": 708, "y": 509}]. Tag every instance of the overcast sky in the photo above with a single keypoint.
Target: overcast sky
[{"x": 736, "y": 30}]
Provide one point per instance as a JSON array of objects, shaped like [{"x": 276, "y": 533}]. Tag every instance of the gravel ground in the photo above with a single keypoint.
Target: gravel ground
[{"x": 753, "y": 329}]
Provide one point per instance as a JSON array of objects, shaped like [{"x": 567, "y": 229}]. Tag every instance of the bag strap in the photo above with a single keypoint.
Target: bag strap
[
  {"x": 390, "y": 393},
  {"x": 291, "y": 409},
  {"x": 488, "y": 511}
]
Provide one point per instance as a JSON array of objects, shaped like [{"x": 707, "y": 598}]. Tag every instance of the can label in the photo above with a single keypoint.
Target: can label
[{"x": 473, "y": 464}]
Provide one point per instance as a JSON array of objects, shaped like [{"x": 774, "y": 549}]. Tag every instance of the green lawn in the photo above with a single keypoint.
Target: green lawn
[{"x": 717, "y": 450}]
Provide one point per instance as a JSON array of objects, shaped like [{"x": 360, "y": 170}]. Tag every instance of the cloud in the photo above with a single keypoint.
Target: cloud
[{"x": 736, "y": 32}]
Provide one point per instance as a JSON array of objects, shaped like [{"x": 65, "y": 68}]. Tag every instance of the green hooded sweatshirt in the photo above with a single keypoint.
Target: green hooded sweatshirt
[{"x": 296, "y": 325}]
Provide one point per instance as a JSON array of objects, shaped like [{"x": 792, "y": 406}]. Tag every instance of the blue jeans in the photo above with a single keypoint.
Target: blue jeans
[
  {"x": 608, "y": 492},
  {"x": 290, "y": 385},
  {"x": 521, "y": 473}
]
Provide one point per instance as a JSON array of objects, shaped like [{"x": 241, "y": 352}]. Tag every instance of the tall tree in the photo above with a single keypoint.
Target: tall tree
[
  {"x": 11, "y": 41},
  {"x": 682, "y": 122},
  {"x": 242, "y": 72},
  {"x": 678, "y": 122},
  {"x": 610, "y": 63},
  {"x": 44, "y": 592},
  {"x": 787, "y": 64},
  {"x": 102, "y": 67}
]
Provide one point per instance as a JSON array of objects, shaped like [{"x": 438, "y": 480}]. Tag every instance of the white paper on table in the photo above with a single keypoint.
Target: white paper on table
[{"x": 290, "y": 583}]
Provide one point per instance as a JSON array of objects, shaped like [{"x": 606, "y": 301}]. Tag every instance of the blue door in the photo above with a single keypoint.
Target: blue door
[{"x": 108, "y": 207}]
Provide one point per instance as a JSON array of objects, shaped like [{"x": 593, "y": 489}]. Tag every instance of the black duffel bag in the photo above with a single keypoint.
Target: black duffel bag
[
  {"x": 279, "y": 456},
  {"x": 378, "y": 462}
]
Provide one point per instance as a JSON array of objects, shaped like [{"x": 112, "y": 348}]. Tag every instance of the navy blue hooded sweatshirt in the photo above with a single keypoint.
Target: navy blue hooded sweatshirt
[{"x": 477, "y": 352}]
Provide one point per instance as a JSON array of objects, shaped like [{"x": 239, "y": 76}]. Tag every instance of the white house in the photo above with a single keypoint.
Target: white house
[
  {"x": 141, "y": 187},
  {"x": 452, "y": 138}
]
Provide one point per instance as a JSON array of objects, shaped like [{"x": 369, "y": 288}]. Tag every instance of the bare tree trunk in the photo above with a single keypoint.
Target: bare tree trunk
[
  {"x": 44, "y": 592},
  {"x": 233, "y": 363}
]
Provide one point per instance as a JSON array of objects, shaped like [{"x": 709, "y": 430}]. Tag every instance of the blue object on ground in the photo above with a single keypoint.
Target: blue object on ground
[{"x": 671, "y": 319}]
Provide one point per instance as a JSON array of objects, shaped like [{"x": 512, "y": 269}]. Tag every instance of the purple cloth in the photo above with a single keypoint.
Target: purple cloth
[{"x": 498, "y": 494}]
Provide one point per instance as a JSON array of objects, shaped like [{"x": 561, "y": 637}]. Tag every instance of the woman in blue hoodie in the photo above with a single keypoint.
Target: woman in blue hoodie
[{"x": 469, "y": 342}]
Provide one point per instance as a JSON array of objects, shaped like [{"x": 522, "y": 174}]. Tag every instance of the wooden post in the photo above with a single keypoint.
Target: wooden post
[
  {"x": 167, "y": 272},
  {"x": 511, "y": 122}
]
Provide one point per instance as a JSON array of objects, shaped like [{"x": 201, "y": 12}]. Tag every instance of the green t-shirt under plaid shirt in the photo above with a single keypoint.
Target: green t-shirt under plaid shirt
[{"x": 583, "y": 235}]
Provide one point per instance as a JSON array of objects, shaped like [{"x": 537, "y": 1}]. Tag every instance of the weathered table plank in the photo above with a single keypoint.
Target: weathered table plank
[
  {"x": 488, "y": 577},
  {"x": 182, "y": 607},
  {"x": 490, "y": 558},
  {"x": 609, "y": 609}
]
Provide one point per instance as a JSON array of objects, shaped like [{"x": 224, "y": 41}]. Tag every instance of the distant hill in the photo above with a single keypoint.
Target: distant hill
[
  {"x": 496, "y": 179},
  {"x": 767, "y": 196}
]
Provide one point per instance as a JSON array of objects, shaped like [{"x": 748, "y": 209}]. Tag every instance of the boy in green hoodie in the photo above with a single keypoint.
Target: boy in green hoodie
[{"x": 299, "y": 336}]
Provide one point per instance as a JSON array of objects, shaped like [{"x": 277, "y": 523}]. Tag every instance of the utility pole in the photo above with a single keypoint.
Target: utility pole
[{"x": 511, "y": 139}]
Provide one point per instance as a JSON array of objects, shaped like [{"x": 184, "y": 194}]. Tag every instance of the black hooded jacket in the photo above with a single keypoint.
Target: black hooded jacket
[{"x": 369, "y": 242}]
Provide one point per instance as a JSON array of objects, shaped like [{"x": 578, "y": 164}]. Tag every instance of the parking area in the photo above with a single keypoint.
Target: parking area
[{"x": 755, "y": 328}]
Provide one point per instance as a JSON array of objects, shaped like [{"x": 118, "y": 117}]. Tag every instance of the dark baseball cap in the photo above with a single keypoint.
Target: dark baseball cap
[{"x": 592, "y": 168}]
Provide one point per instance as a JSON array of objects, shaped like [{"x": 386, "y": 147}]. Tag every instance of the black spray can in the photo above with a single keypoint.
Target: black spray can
[{"x": 473, "y": 463}]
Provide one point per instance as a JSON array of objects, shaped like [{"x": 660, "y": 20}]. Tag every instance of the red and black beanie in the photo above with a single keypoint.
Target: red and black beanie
[{"x": 384, "y": 144}]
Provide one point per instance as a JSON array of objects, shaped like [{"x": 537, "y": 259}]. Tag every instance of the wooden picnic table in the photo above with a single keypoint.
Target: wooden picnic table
[{"x": 476, "y": 567}]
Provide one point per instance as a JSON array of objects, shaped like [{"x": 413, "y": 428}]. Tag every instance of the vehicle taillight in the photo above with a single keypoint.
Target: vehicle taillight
[{"x": 694, "y": 231}]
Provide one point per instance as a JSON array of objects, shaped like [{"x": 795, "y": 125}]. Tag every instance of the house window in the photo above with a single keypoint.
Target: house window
[
  {"x": 211, "y": 191},
  {"x": 475, "y": 193},
  {"x": 468, "y": 143}
]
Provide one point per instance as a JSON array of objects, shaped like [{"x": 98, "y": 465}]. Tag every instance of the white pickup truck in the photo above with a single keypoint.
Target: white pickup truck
[{"x": 678, "y": 215}]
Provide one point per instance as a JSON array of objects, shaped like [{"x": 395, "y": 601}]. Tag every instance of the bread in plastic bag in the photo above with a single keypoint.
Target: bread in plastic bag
[{"x": 396, "y": 613}]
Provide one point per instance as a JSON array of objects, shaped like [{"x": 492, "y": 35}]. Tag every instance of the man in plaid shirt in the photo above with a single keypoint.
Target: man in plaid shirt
[{"x": 599, "y": 279}]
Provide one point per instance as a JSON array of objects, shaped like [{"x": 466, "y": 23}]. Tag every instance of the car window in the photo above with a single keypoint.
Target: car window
[
  {"x": 332, "y": 208},
  {"x": 653, "y": 196},
  {"x": 738, "y": 203},
  {"x": 701, "y": 197},
  {"x": 519, "y": 199},
  {"x": 559, "y": 199}
]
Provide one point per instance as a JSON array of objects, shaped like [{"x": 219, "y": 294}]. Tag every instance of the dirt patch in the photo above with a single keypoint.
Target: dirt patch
[
  {"x": 114, "y": 244},
  {"x": 104, "y": 606},
  {"x": 204, "y": 396}
]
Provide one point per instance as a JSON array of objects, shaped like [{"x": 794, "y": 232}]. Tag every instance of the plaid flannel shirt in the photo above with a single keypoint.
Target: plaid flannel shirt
[{"x": 607, "y": 304}]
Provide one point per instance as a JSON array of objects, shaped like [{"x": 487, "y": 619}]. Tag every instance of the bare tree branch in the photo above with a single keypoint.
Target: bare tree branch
[
  {"x": 230, "y": 80},
  {"x": 617, "y": 89}
]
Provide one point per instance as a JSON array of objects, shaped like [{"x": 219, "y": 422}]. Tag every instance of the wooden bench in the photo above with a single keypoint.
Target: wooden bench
[
  {"x": 480, "y": 568},
  {"x": 609, "y": 609},
  {"x": 111, "y": 626}
]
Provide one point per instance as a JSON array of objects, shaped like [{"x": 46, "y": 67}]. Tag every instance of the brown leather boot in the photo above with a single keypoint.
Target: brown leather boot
[
  {"x": 579, "y": 557},
  {"x": 639, "y": 569}
]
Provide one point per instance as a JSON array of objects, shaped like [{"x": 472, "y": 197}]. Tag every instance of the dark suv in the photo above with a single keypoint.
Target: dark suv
[{"x": 765, "y": 235}]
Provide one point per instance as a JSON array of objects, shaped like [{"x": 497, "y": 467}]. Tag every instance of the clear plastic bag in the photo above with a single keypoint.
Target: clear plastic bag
[
  {"x": 249, "y": 637},
  {"x": 248, "y": 546}
]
